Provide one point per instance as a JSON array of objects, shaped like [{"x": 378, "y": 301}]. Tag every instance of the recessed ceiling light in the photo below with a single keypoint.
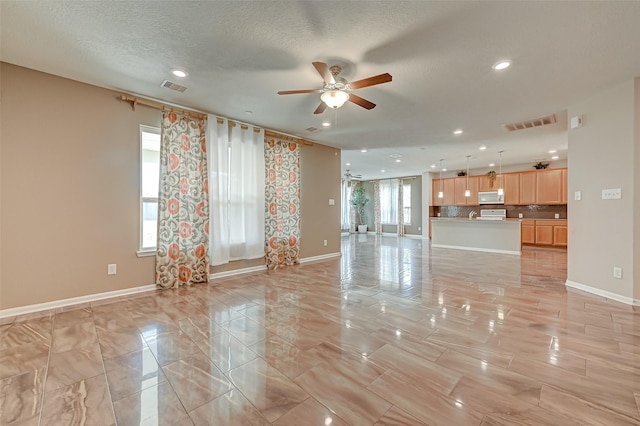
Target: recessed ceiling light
[
  {"x": 501, "y": 65},
  {"x": 555, "y": 157},
  {"x": 248, "y": 112},
  {"x": 433, "y": 166},
  {"x": 363, "y": 150},
  {"x": 383, "y": 170},
  {"x": 444, "y": 170},
  {"x": 482, "y": 148},
  {"x": 492, "y": 164},
  {"x": 179, "y": 73},
  {"x": 347, "y": 164},
  {"x": 398, "y": 160},
  {"x": 457, "y": 132},
  {"x": 553, "y": 151},
  {"x": 326, "y": 124}
]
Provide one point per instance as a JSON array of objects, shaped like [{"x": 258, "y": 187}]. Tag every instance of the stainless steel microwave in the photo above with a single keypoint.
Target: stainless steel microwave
[{"x": 490, "y": 197}]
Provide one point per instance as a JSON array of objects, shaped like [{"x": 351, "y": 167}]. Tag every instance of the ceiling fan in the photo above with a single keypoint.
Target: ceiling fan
[
  {"x": 349, "y": 176},
  {"x": 337, "y": 90}
]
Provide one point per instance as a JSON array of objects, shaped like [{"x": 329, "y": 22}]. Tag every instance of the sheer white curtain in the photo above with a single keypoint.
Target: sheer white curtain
[
  {"x": 246, "y": 195},
  {"x": 345, "y": 205},
  {"x": 236, "y": 191},
  {"x": 389, "y": 201}
]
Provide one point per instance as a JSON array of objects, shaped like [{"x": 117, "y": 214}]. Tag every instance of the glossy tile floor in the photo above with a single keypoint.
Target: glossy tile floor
[{"x": 391, "y": 334}]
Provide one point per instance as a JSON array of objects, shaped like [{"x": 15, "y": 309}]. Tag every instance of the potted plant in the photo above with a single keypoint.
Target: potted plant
[
  {"x": 358, "y": 201},
  {"x": 540, "y": 165},
  {"x": 462, "y": 173},
  {"x": 492, "y": 177}
]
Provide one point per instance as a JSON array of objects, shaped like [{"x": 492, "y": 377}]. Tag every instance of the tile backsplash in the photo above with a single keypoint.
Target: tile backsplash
[{"x": 528, "y": 212}]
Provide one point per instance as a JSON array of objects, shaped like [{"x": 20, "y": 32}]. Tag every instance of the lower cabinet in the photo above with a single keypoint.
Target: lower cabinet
[
  {"x": 545, "y": 232},
  {"x": 528, "y": 232}
]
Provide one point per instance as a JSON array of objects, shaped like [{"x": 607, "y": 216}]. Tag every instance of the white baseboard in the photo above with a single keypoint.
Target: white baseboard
[
  {"x": 320, "y": 257},
  {"x": 486, "y": 250},
  {"x": 21, "y": 310},
  {"x": 415, "y": 236},
  {"x": 603, "y": 293},
  {"x": 240, "y": 271}
]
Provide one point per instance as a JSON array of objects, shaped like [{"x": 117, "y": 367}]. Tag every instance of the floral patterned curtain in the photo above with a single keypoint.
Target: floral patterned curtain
[
  {"x": 377, "y": 221},
  {"x": 282, "y": 202},
  {"x": 352, "y": 211},
  {"x": 183, "y": 203},
  {"x": 400, "y": 208}
]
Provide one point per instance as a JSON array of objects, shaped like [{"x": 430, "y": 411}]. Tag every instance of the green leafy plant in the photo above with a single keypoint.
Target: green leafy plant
[
  {"x": 540, "y": 165},
  {"x": 492, "y": 177},
  {"x": 358, "y": 201}
]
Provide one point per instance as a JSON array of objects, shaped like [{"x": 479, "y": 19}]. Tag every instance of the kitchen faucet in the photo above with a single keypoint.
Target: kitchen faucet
[{"x": 471, "y": 214}]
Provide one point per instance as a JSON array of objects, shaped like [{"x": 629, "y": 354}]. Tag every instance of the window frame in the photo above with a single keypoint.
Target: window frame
[{"x": 142, "y": 250}]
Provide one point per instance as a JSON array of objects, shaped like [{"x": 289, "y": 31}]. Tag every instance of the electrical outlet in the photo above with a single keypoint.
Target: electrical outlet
[
  {"x": 111, "y": 269},
  {"x": 520, "y": 215},
  {"x": 325, "y": 243},
  {"x": 557, "y": 216},
  {"x": 617, "y": 272},
  {"x": 612, "y": 194},
  {"x": 577, "y": 195},
  {"x": 419, "y": 228}
]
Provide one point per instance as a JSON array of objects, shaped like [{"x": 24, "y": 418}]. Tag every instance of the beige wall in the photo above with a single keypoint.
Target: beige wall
[
  {"x": 601, "y": 156},
  {"x": 636, "y": 193},
  {"x": 320, "y": 181},
  {"x": 70, "y": 167}
]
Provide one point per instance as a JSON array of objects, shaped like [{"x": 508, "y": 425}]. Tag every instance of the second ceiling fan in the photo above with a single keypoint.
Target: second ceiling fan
[{"x": 337, "y": 90}]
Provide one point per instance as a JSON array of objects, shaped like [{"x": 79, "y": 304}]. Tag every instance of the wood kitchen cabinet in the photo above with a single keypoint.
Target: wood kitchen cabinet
[
  {"x": 511, "y": 182},
  {"x": 545, "y": 232},
  {"x": 448, "y": 188},
  {"x": 528, "y": 232},
  {"x": 565, "y": 187},
  {"x": 527, "y": 188},
  {"x": 435, "y": 201},
  {"x": 485, "y": 184},
  {"x": 549, "y": 186},
  {"x": 460, "y": 186}
]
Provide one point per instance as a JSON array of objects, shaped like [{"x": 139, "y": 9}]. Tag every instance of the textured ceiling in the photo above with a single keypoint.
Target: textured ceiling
[{"x": 239, "y": 54}]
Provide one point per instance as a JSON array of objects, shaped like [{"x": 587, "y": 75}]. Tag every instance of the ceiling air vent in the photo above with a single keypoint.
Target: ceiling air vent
[
  {"x": 312, "y": 129},
  {"x": 173, "y": 86},
  {"x": 536, "y": 122}
]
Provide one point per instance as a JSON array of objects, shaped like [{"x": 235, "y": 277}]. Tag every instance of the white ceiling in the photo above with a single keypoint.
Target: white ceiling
[{"x": 239, "y": 54}]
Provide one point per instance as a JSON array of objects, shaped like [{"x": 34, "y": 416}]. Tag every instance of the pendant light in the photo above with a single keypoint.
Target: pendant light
[
  {"x": 467, "y": 193},
  {"x": 500, "y": 188},
  {"x": 441, "y": 192}
]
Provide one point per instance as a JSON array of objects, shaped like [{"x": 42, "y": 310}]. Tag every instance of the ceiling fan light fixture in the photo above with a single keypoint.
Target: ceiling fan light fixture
[{"x": 334, "y": 98}]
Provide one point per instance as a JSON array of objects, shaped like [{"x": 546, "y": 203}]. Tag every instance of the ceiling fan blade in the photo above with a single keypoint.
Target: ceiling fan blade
[
  {"x": 320, "y": 108},
  {"x": 362, "y": 102},
  {"x": 295, "y": 92},
  {"x": 323, "y": 70},
  {"x": 371, "y": 81}
]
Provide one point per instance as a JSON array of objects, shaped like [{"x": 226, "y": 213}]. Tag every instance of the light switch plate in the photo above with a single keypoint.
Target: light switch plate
[
  {"x": 577, "y": 195},
  {"x": 612, "y": 194},
  {"x": 111, "y": 269},
  {"x": 332, "y": 202}
]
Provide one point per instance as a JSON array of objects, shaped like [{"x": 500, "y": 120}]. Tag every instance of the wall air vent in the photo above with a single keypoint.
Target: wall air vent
[
  {"x": 173, "y": 86},
  {"x": 536, "y": 122},
  {"x": 312, "y": 129}
]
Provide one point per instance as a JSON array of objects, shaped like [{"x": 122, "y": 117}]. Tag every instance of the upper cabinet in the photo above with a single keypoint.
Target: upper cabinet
[
  {"x": 460, "y": 184},
  {"x": 527, "y": 188},
  {"x": 447, "y": 186},
  {"x": 549, "y": 186},
  {"x": 520, "y": 188},
  {"x": 511, "y": 182}
]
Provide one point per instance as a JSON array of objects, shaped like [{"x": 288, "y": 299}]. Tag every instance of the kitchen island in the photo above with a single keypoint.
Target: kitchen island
[{"x": 494, "y": 236}]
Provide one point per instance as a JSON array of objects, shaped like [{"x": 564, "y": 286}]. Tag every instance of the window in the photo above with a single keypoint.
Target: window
[
  {"x": 149, "y": 183},
  {"x": 389, "y": 201},
  {"x": 406, "y": 201},
  {"x": 345, "y": 198}
]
